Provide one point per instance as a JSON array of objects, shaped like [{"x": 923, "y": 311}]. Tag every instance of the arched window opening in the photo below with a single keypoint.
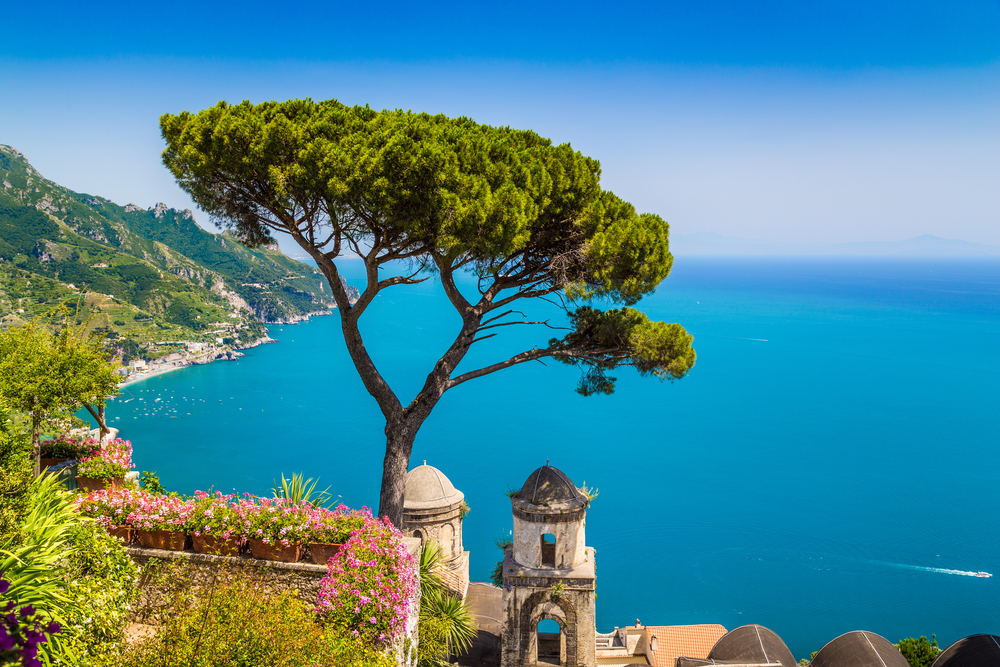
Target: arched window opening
[
  {"x": 419, "y": 535},
  {"x": 549, "y": 645},
  {"x": 548, "y": 550}
]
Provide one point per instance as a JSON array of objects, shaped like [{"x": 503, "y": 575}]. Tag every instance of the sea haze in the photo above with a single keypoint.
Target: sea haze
[{"x": 829, "y": 465}]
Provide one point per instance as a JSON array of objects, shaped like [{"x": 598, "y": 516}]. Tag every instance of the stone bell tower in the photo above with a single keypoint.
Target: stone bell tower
[
  {"x": 548, "y": 574},
  {"x": 433, "y": 509}
]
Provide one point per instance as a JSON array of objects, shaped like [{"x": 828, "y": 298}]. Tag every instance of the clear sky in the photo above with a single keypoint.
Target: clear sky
[{"x": 805, "y": 121}]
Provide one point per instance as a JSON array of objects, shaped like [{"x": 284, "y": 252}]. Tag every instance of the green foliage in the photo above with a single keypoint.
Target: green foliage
[
  {"x": 101, "y": 584},
  {"x": 603, "y": 340},
  {"x": 238, "y": 622},
  {"x": 497, "y": 575},
  {"x": 150, "y": 483},
  {"x": 301, "y": 490},
  {"x": 919, "y": 652},
  {"x": 16, "y": 471},
  {"x": 431, "y": 561},
  {"x": 432, "y": 651},
  {"x": 446, "y": 619},
  {"x": 31, "y": 562},
  {"x": 49, "y": 375}
]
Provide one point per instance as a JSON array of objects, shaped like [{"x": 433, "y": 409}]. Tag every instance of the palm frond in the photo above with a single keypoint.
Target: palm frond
[
  {"x": 463, "y": 625},
  {"x": 431, "y": 561}
]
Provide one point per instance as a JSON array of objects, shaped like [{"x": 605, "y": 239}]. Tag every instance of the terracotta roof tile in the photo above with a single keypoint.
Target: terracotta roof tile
[{"x": 693, "y": 641}]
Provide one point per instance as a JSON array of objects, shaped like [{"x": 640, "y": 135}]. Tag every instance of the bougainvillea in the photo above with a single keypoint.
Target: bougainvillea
[
  {"x": 110, "y": 462},
  {"x": 370, "y": 584}
]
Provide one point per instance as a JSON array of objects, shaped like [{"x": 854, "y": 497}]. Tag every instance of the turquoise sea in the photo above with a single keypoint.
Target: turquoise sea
[{"x": 831, "y": 463}]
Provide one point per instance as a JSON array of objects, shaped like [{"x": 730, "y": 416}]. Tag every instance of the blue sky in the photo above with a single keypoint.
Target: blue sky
[{"x": 803, "y": 121}]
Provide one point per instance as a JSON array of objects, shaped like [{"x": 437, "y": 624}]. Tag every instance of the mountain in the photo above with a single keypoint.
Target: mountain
[
  {"x": 148, "y": 274},
  {"x": 926, "y": 245}
]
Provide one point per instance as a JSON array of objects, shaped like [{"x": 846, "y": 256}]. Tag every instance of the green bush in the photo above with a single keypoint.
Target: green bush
[
  {"x": 238, "y": 623},
  {"x": 16, "y": 472},
  {"x": 73, "y": 572},
  {"x": 919, "y": 652},
  {"x": 101, "y": 586}
]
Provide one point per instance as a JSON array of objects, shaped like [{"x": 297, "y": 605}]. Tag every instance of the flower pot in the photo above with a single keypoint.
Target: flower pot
[
  {"x": 210, "y": 544},
  {"x": 171, "y": 540},
  {"x": 50, "y": 463},
  {"x": 322, "y": 552},
  {"x": 277, "y": 552},
  {"x": 88, "y": 484},
  {"x": 127, "y": 535}
]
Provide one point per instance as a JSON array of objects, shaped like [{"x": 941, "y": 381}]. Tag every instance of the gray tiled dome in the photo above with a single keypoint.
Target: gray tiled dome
[{"x": 549, "y": 485}]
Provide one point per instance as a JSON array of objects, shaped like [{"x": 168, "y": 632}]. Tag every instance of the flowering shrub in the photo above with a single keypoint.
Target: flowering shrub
[
  {"x": 214, "y": 515},
  {"x": 274, "y": 520},
  {"x": 65, "y": 447},
  {"x": 21, "y": 631},
  {"x": 160, "y": 513},
  {"x": 110, "y": 508},
  {"x": 111, "y": 462},
  {"x": 370, "y": 584},
  {"x": 337, "y": 526}
]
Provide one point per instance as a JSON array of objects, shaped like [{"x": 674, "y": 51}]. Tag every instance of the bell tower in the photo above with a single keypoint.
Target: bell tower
[{"x": 549, "y": 577}]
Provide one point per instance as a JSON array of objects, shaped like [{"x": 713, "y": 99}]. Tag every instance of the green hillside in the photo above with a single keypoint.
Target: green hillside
[{"x": 147, "y": 274}]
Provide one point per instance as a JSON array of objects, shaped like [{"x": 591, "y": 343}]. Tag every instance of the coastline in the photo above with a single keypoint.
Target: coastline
[{"x": 213, "y": 353}]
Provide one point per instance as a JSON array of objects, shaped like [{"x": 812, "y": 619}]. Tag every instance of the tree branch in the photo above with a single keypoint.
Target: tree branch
[{"x": 530, "y": 355}]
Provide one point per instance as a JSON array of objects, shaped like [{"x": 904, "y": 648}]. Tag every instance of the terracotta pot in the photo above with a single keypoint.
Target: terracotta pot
[
  {"x": 171, "y": 540},
  {"x": 126, "y": 535},
  {"x": 88, "y": 484},
  {"x": 49, "y": 463},
  {"x": 209, "y": 544},
  {"x": 276, "y": 552},
  {"x": 322, "y": 552}
]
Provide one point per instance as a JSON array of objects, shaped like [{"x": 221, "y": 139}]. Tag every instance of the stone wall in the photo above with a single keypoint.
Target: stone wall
[{"x": 165, "y": 573}]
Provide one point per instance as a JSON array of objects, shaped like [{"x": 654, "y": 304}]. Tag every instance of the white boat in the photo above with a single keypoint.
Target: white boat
[{"x": 983, "y": 574}]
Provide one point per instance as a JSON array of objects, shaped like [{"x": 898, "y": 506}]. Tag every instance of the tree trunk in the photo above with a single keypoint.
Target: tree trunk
[
  {"x": 102, "y": 424},
  {"x": 398, "y": 445}
]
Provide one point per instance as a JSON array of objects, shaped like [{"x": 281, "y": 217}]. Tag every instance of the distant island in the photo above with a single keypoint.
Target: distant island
[
  {"x": 160, "y": 288},
  {"x": 926, "y": 245}
]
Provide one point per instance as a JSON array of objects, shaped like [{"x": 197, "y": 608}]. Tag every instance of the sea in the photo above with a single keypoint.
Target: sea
[{"x": 830, "y": 464}]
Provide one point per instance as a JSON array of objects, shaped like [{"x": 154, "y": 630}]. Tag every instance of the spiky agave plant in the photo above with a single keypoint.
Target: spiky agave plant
[{"x": 298, "y": 489}]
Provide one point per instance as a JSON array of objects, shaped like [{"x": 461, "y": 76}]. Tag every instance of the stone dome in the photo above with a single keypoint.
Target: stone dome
[
  {"x": 859, "y": 649},
  {"x": 751, "y": 644},
  {"x": 551, "y": 486},
  {"x": 972, "y": 651},
  {"x": 426, "y": 487}
]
